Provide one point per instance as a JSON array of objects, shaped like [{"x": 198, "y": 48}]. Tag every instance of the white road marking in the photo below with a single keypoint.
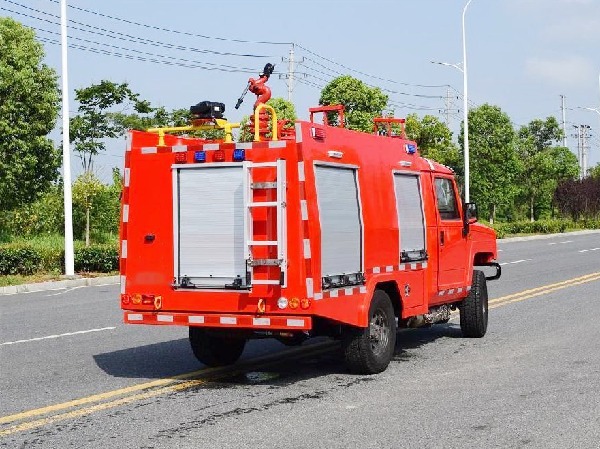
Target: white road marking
[
  {"x": 515, "y": 262},
  {"x": 587, "y": 250},
  {"x": 66, "y": 291},
  {"x": 49, "y": 337},
  {"x": 561, "y": 243}
]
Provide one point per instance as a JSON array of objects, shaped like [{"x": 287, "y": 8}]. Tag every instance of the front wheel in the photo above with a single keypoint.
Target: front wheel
[
  {"x": 213, "y": 349},
  {"x": 474, "y": 309},
  {"x": 369, "y": 350}
]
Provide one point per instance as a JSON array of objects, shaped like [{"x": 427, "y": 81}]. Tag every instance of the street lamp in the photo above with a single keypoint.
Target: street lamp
[{"x": 462, "y": 66}]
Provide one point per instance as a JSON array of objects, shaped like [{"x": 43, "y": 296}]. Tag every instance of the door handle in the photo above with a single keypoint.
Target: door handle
[{"x": 442, "y": 235}]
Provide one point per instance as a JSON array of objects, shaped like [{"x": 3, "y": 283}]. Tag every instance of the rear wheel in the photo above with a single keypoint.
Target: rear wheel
[
  {"x": 474, "y": 309},
  {"x": 213, "y": 349},
  {"x": 369, "y": 350}
]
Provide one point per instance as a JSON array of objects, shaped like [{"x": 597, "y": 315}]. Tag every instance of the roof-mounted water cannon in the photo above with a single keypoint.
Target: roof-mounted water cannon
[{"x": 258, "y": 87}]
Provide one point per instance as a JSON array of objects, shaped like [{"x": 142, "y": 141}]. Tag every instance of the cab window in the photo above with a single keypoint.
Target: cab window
[{"x": 446, "y": 199}]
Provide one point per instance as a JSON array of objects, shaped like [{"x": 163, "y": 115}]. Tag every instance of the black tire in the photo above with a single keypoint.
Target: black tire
[
  {"x": 213, "y": 349},
  {"x": 369, "y": 350},
  {"x": 474, "y": 309}
]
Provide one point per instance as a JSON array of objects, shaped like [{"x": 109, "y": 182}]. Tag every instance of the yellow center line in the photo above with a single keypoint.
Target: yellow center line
[
  {"x": 544, "y": 287},
  {"x": 506, "y": 300},
  {"x": 209, "y": 374}
]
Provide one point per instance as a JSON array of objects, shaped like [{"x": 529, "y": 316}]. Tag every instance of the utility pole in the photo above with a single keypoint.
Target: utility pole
[
  {"x": 564, "y": 120},
  {"x": 584, "y": 149},
  {"x": 290, "y": 75}
]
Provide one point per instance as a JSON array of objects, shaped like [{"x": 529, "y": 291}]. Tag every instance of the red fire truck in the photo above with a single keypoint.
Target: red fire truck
[{"x": 308, "y": 230}]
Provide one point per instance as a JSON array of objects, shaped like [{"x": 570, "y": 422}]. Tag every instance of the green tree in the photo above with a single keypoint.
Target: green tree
[
  {"x": 361, "y": 102},
  {"x": 494, "y": 164},
  {"x": 594, "y": 172},
  {"x": 544, "y": 164},
  {"x": 29, "y": 102},
  {"x": 86, "y": 188},
  {"x": 95, "y": 121},
  {"x": 434, "y": 140}
]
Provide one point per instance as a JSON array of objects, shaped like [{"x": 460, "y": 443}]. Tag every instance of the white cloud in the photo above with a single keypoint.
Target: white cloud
[{"x": 569, "y": 71}]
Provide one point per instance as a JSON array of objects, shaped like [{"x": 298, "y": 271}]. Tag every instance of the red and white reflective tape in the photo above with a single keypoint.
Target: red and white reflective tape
[
  {"x": 454, "y": 291},
  {"x": 279, "y": 322},
  {"x": 341, "y": 292},
  {"x": 402, "y": 267}
]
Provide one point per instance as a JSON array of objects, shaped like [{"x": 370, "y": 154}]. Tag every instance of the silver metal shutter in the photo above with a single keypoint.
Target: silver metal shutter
[
  {"x": 410, "y": 212},
  {"x": 341, "y": 233},
  {"x": 211, "y": 225}
]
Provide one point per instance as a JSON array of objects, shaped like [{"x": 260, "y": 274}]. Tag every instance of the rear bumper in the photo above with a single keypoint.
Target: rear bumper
[{"x": 218, "y": 320}]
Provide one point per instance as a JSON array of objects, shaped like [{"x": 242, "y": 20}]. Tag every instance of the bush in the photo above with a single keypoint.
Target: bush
[
  {"x": 19, "y": 260},
  {"x": 98, "y": 258},
  {"x": 542, "y": 227}
]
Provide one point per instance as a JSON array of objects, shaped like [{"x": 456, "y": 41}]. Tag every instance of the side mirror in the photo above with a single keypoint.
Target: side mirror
[
  {"x": 469, "y": 216},
  {"x": 470, "y": 212}
]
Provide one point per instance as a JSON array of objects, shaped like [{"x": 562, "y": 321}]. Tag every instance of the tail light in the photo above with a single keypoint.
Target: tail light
[
  {"x": 148, "y": 300},
  {"x": 181, "y": 157},
  {"x": 125, "y": 299},
  {"x": 219, "y": 156},
  {"x": 305, "y": 303}
]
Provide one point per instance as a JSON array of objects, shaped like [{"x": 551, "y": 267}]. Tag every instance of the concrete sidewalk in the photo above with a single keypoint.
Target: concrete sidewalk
[{"x": 58, "y": 285}]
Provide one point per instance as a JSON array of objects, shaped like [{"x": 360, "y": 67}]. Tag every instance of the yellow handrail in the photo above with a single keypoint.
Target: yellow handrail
[
  {"x": 273, "y": 119},
  {"x": 218, "y": 124}
]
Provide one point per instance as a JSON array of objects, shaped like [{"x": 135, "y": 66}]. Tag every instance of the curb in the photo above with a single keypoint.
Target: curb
[
  {"x": 549, "y": 236},
  {"x": 58, "y": 285}
]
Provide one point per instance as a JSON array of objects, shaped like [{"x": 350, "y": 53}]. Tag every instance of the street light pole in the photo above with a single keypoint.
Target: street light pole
[
  {"x": 69, "y": 254},
  {"x": 465, "y": 107}
]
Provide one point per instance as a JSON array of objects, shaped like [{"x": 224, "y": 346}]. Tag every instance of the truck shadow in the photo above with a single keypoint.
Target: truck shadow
[{"x": 171, "y": 358}]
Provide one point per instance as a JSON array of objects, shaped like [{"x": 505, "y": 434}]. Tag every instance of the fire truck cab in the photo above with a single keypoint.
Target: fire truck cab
[{"x": 310, "y": 230}]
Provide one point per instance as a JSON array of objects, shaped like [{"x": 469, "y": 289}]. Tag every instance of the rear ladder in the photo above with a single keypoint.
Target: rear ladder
[{"x": 250, "y": 241}]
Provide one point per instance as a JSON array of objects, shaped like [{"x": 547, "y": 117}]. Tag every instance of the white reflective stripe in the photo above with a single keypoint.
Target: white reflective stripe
[
  {"x": 451, "y": 291},
  {"x": 309, "y": 288},
  {"x": 125, "y": 213},
  {"x": 179, "y": 148},
  {"x": 459, "y": 290},
  {"x": 468, "y": 288},
  {"x": 261, "y": 321},
  {"x": 301, "y": 177},
  {"x": 375, "y": 270},
  {"x": 307, "y": 248},
  {"x": 228, "y": 320},
  {"x": 277, "y": 144},
  {"x": 126, "y": 174},
  {"x": 238, "y": 146},
  {"x": 424, "y": 265},
  {"x": 333, "y": 293},
  {"x": 363, "y": 289},
  {"x": 441, "y": 292},
  {"x": 401, "y": 267},
  {"x": 298, "y": 133},
  {"x": 122, "y": 285},
  {"x": 295, "y": 323},
  {"x": 196, "y": 319},
  {"x": 135, "y": 317},
  {"x": 304, "y": 209},
  {"x": 318, "y": 296},
  {"x": 128, "y": 140},
  {"x": 124, "y": 249},
  {"x": 389, "y": 268},
  {"x": 149, "y": 150},
  {"x": 413, "y": 266},
  {"x": 165, "y": 318},
  {"x": 349, "y": 291}
]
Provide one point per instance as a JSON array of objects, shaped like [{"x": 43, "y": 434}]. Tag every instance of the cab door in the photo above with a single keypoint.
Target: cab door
[{"x": 452, "y": 246}]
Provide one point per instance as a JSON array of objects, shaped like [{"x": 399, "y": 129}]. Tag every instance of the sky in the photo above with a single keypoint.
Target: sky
[{"x": 522, "y": 55}]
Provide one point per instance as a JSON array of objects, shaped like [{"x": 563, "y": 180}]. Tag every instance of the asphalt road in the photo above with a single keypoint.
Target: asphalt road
[{"x": 71, "y": 375}]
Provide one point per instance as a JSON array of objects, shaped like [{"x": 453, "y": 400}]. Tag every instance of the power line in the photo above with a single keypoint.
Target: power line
[
  {"x": 118, "y": 35},
  {"x": 170, "y": 30}
]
